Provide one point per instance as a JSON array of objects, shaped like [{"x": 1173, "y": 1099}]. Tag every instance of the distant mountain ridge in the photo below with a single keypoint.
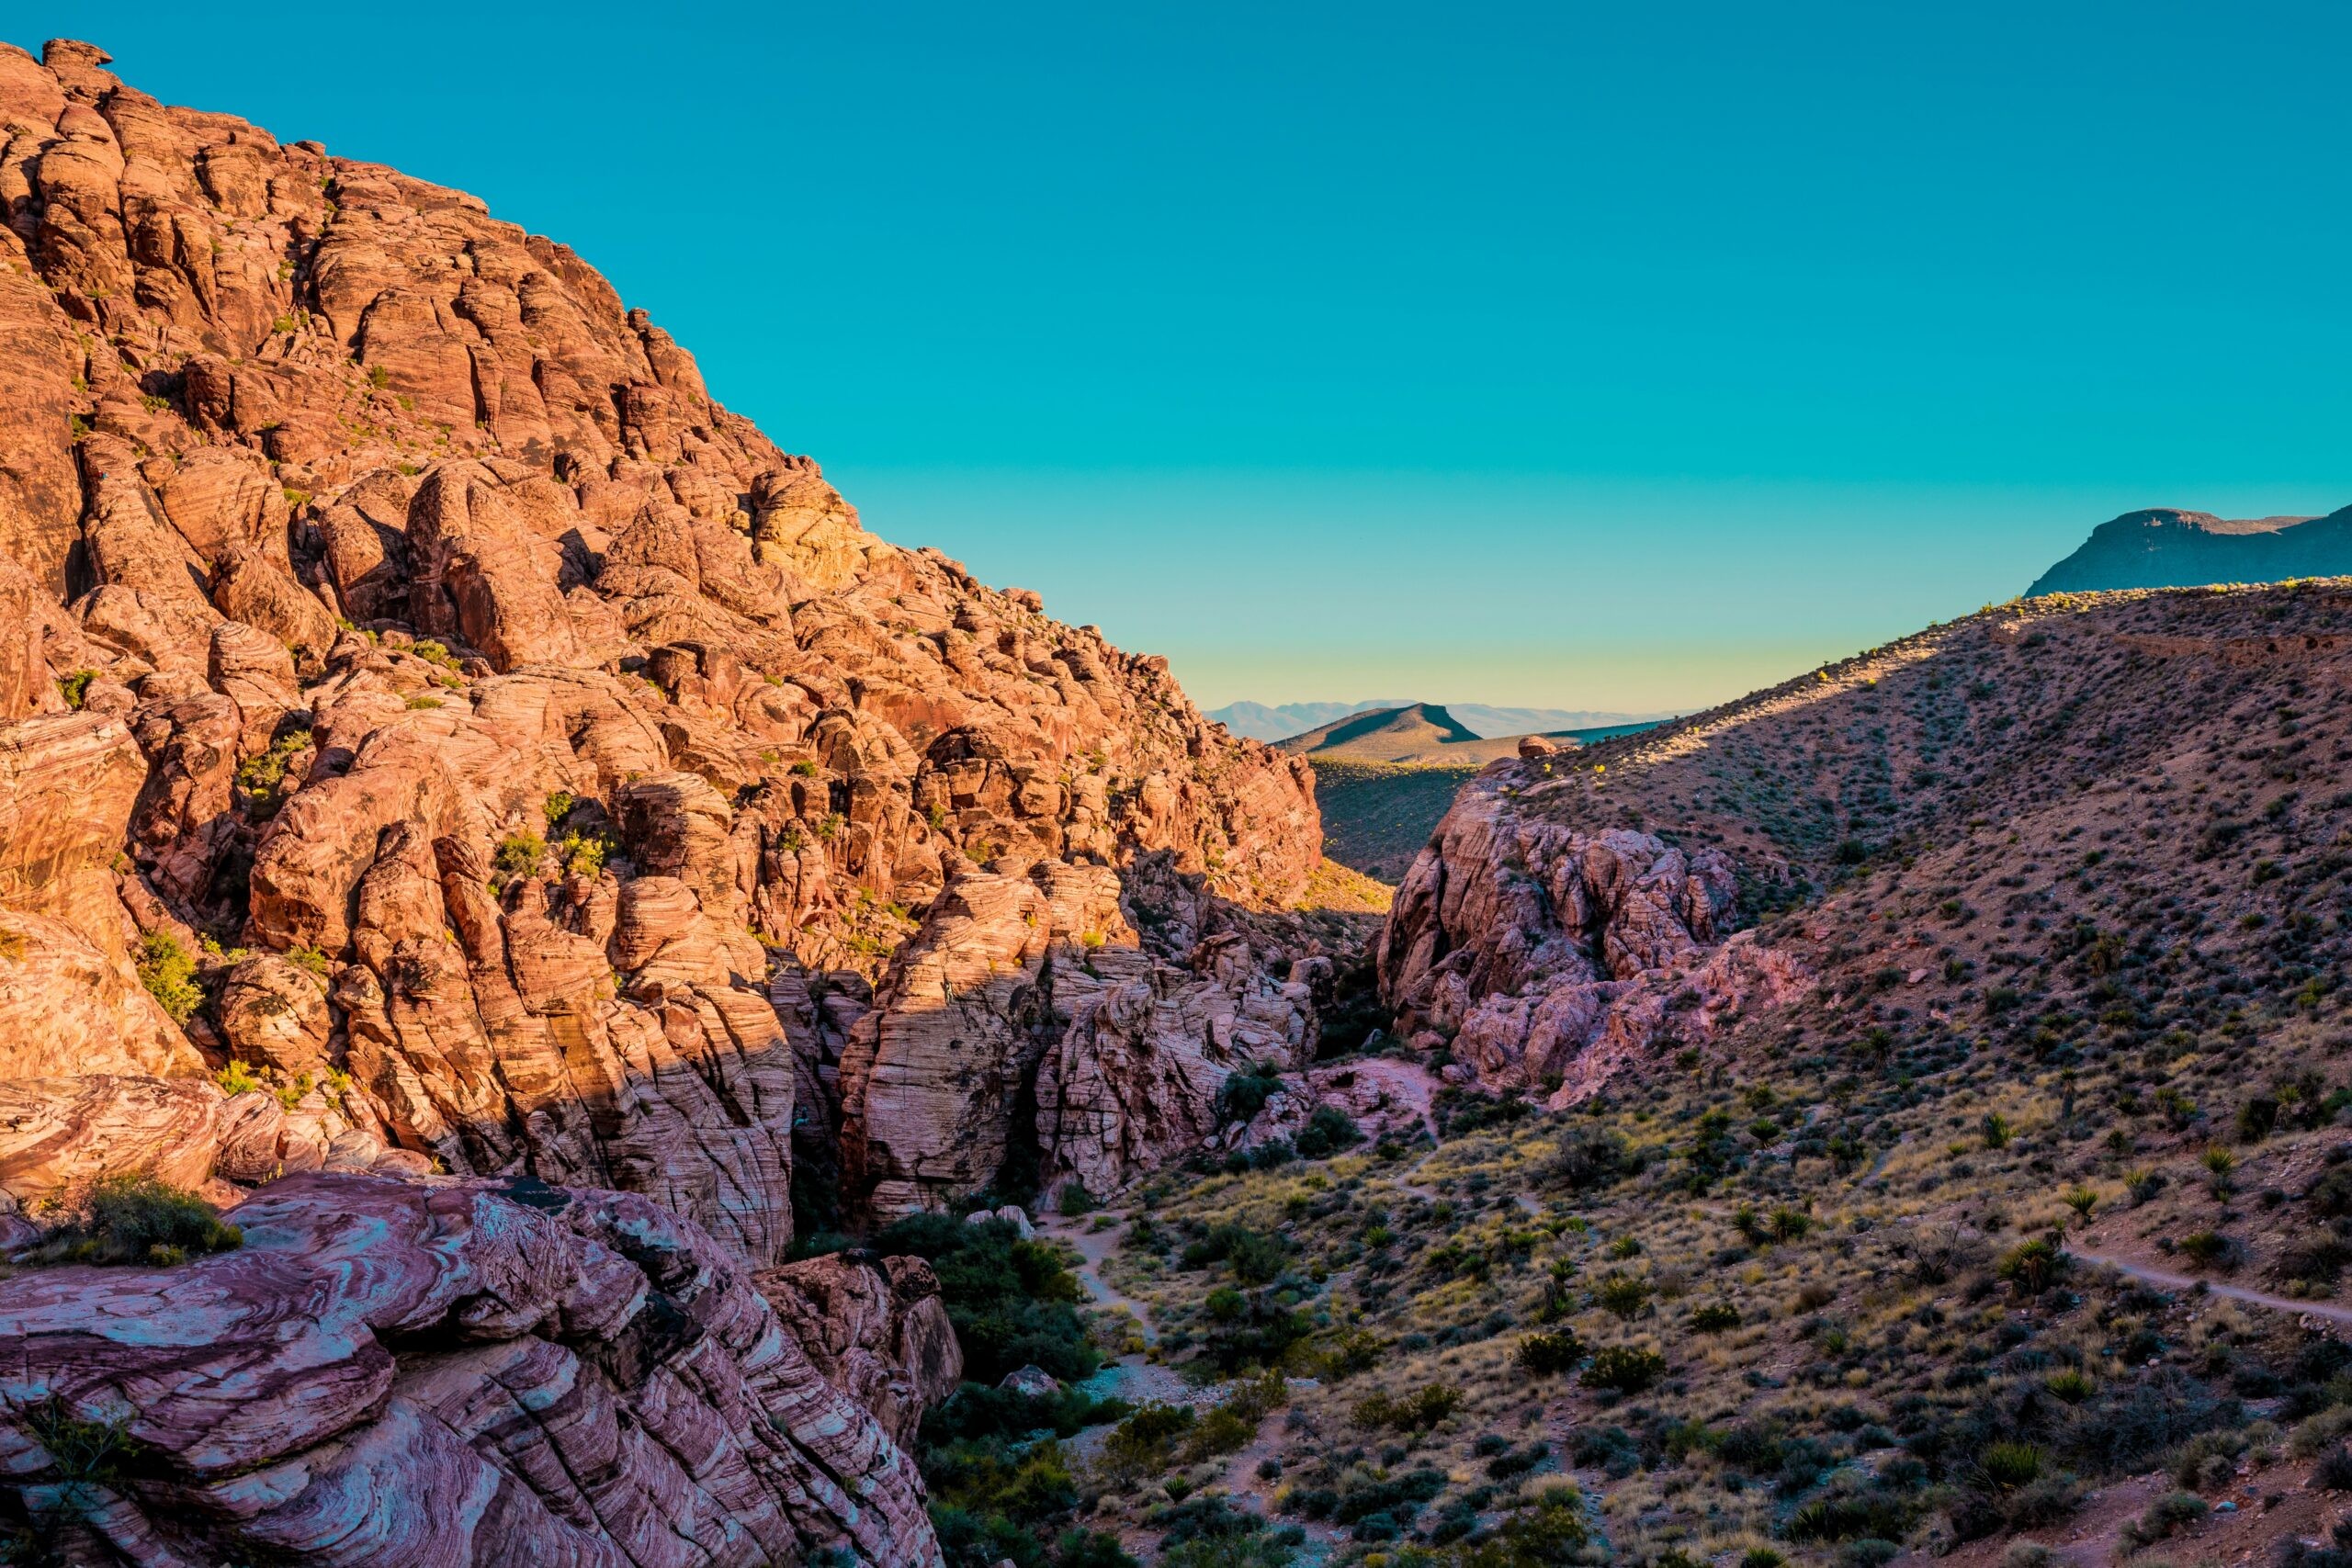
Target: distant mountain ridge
[
  {"x": 1257, "y": 721},
  {"x": 2164, "y": 547},
  {"x": 1424, "y": 735}
]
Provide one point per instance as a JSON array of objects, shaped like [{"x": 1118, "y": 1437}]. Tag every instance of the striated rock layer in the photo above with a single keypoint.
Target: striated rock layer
[
  {"x": 465, "y": 1372},
  {"x": 537, "y": 765},
  {"x": 438, "y": 741}
]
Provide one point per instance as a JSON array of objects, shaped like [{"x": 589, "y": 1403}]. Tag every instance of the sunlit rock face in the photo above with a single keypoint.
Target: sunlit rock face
[{"x": 512, "y": 759}]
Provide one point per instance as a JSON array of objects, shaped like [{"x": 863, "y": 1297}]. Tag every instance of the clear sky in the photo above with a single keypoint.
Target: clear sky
[{"x": 1615, "y": 356}]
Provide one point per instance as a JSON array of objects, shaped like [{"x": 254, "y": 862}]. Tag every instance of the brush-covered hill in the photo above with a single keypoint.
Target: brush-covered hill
[
  {"x": 1420, "y": 733},
  {"x": 2166, "y": 548},
  {"x": 1837, "y": 1106}
]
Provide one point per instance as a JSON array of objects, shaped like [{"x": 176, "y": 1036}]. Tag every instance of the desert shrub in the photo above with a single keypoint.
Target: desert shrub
[
  {"x": 1348, "y": 1351},
  {"x": 2032, "y": 1266},
  {"x": 168, "y": 972},
  {"x": 1624, "y": 1367},
  {"x": 1863, "y": 1516},
  {"x": 1608, "y": 1448},
  {"x": 1246, "y": 1092},
  {"x": 1328, "y": 1131},
  {"x": 1588, "y": 1158},
  {"x": 1714, "y": 1317},
  {"x": 518, "y": 855},
  {"x": 1255, "y": 1256},
  {"x": 2162, "y": 1516},
  {"x": 1549, "y": 1533},
  {"x": 138, "y": 1219},
  {"x": 2071, "y": 1385},
  {"x": 2209, "y": 1250},
  {"x": 2009, "y": 1464},
  {"x": 1253, "y": 1328},
  {"x": 978, "y": 1410},
  {"x": 1416, "y": 1411},
  {"x": 1461, "y": 1111},
  {"x": 2336, "y": 1553},
  {"x": 2333, "y": 1470},
  {"x": 1146, "y": 1441},
  {"x": 1547, "y": 1355},
  {"x": 1013, "y": 1302},
  {"x": 263, "y": 775},
  {"x": 1622, "y": 1294}
]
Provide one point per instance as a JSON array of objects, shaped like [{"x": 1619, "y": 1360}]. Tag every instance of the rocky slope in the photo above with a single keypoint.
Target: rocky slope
[
  {"x": 436, "y": 737},
  {"x": 2167, "y": 548},
  {"x": 2043, "y": 774}
]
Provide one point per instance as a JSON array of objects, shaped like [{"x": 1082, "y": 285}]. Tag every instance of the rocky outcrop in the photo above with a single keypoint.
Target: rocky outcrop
[
  {"x": 876, "y": 1327},
  {"x": 1026, "y": 1030},
  {"x": 523, "y": 743},
  {"x": 1545, "y": 956},
  {"x": 536, "y": 1374}
]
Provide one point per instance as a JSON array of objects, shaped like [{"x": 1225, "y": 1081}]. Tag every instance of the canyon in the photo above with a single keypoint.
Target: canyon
[{"x": 550, "y": 973}]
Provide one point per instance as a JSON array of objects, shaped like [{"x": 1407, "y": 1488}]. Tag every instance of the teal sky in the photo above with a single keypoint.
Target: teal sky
[{"x": 1586, "y": 356}]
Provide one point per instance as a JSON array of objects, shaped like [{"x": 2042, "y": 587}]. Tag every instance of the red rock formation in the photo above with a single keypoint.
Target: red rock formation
[
  {"x": 1543, "y": 955},
  {"x": 402, "y": 549},
  {"x": 533, "y": 1375},
  {"x": 876, "y": 1327}
]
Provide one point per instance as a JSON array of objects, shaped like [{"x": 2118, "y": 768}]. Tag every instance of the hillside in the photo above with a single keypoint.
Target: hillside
[
  {"x": 1256, "y": 721},
  {"x": 2163, "y": 547},
  {"x": 1819, "y": 1126},
  {"x": 1422, "y": 733},
  {"x": 1377, "y": 815}
]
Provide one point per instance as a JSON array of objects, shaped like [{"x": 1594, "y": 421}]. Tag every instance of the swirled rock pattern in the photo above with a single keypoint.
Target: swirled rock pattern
[{"x": 525, "y": 1373}]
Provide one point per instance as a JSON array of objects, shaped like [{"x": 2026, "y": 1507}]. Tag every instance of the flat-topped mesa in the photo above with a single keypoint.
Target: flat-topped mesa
[{"x": 526, "y": 717}]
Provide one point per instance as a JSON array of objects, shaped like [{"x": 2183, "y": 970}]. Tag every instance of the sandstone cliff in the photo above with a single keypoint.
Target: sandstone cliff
[
  {"x": 502, "y": 727},
  {"x": 438, "y": 741}
]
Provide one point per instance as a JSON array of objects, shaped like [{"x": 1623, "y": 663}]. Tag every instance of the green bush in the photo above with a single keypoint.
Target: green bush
[
  {"x": 1551, "y": 1533},
  {"x": 1714, "y": 1317},
  {"x": 75, "y": 688},
  {"x": 518, "y": 855},
  {"x": 1246, "y": 1092},
  {"x": 1328, "y": 1131},
  {"x": 2009, "y": 1464},
  {"x": 1624, "y": 1367},
  {"x": 1547, "y": 1355},
  {"x": 2033, "y": 1266},
  {"x": 1416, "y": 1411},
  {"x": 1013, "y": 1302},
  {"x": 169, "y": 973},
  {"x": 137, "y": 1219}
]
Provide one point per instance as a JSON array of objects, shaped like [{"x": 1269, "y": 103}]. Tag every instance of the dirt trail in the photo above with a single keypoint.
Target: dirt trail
[{"x": 2153, "y": 1275}]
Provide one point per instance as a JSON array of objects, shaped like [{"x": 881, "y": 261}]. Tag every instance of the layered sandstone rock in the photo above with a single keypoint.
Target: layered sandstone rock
[
  {"x": 560, "y": 753},
  {"x": 1027, "y": 1030},
  {"x": 534, "y": 1374},
  {"x": 1547, "y": 957},
  {"x": 876, "y": 1327}
]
